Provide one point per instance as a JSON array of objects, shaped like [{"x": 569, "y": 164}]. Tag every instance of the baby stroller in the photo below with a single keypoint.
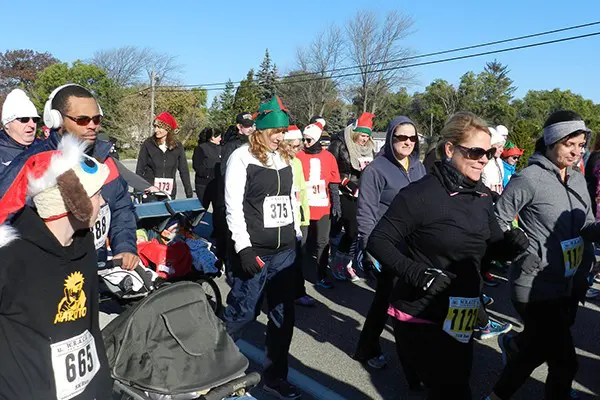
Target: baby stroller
[{"x": 171, "y": 345}]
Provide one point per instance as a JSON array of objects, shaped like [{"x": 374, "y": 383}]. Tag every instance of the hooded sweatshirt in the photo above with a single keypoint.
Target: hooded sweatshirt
[
  {"x": 50, "y": 338},
  {"x": 555, "y": 215},
  {"x": 381, "y": 182}
]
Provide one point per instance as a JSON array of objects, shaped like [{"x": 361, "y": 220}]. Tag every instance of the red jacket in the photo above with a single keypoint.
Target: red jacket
[{"x": 320, "y": 170}]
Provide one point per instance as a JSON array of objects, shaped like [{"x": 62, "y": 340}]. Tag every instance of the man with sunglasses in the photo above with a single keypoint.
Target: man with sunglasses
[
  {"x": 19, "y": 119},
  {"x": 74, "y": 110}
]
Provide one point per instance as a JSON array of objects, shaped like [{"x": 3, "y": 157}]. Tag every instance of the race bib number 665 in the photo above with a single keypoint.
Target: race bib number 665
[{"x": 75, "y": 362}]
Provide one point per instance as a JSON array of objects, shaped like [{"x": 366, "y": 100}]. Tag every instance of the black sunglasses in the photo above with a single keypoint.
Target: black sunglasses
[
  {"x": 25, "y": 120},
  {"x": 307, "y": 140},
  {"x": 403, "y": 138},
  {"x": 85, "y": 120},
  {"x": 476, "y": 153}
]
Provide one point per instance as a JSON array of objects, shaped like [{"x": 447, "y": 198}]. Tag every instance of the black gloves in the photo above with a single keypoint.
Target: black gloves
[
  {"x": 435, "y": 281},
  {"x": 336, "y": 205},
  {"x": 350, "y": 187},
  {"x": 517, "y": 241},
  {"x": 531, "y": 264},
  {"x": 251, "y": 263}
]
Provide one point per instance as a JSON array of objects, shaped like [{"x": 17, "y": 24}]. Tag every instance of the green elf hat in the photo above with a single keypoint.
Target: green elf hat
[
  {"x": 272, "y": 114},
  {"x": 365, "y": 123}
]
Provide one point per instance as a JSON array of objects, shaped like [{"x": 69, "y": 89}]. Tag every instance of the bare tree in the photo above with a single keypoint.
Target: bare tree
[
  {"x": 377, "y": 51},
  {"x": 132, "y": 65}
]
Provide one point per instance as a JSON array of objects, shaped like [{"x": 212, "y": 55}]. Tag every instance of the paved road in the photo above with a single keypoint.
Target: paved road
[{"x": 325, "y": 337}]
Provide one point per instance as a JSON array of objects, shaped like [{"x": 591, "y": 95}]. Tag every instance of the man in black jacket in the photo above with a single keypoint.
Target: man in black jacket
[{"x": 206, "y": 161}]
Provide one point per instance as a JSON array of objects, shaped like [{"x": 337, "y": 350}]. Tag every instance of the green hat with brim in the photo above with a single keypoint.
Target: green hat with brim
[{"x": 272, "y": 114}]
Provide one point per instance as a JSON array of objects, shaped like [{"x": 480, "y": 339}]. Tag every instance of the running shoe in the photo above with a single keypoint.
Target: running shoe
[
  {"x": 597, "y": 278},
  {"x": 487, "y": 300},
  {"x": 338, "y": 271},
  {"x": 592, "y": 293},
  {"x": 283, "y": 390},
  {"x": 325, "y": 283},
  {"x": 574, "y": 394},
  {"x": 493, "y": 329},
  {"x": 306, "y": 301},
  {"x": 505, "y": 341},
  {"x": 489, "y": 280},
  {"x": 378, "y": 362},
  {"x": 351, "y": 274}
]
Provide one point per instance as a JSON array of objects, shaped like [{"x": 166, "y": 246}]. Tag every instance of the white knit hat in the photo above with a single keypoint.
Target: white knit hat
[
  {"x": 502, "y": 130},
  {"x": 293, "y": 133},
  {"x": 17, "y": 105},
  {"x": 315, "y": 129},
  {"x": 497, "y": 138}
]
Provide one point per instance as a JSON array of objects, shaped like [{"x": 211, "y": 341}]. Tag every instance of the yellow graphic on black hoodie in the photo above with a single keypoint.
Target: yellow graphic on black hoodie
[{"x": 72, "y": 306}]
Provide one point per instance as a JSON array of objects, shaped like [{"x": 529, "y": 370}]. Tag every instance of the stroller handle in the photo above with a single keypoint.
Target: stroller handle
[
  {"x": 117, "y": 262},
  {"x": 245, "y": 382}
]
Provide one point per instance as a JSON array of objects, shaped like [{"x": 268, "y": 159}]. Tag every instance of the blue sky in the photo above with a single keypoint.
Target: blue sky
[{"x": 217, "y": 40}]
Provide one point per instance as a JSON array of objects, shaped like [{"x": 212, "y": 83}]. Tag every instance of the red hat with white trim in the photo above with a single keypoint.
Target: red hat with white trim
[
  {"x": 293, "y": 133},
  {"x": 315, "y": 129}
]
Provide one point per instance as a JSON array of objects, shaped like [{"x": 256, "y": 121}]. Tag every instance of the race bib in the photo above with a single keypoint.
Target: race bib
[
  {"x": 573, "y": 255},
  {"x": 101, "y": 226},
  {"x": 317, "y": 194},
  {"x": 277, "y": 211},
  {"x": 461, "y": 318},
  {"x": 364, "y": 161},
  {"x": 164, "y": 184},
  {"x": 75, "y": 362}
]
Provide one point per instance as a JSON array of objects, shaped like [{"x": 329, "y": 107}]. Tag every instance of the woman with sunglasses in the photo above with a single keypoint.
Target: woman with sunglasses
[
  {"x": 353, "y": 150},
  {"x": 161, "y": 156},
  {"x": 432, "y": 239},
  {"x": 322, "y": 182},
  {"x": 394, "y": 170},
  {"x": 19, "y": 119},
  {"x": 510, "y": 157},
  {"x": 548, "y": 281}
]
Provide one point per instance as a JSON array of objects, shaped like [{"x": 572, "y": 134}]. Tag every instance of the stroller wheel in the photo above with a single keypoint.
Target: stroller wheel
[{"x": 213, "y": 294}]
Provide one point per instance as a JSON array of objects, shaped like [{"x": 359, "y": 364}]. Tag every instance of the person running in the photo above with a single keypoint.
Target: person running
[
  {"x": 510, "y": 157},
  {"x": 19, "y": 122},
  {"x": 292, "y": 144},
  {"x": 395, "y": 169},
  {"x": 549, "y": 280},
  {"x": 206, "y": 160},
  {"x": 161, "y": 156},
  {"x": 432, "y": 239},
  {"x": 50, "y": 337},
  {"x": 261, "y": 210},
  {"x": 353, "y": 150},
  {"x": 322, "y": 182}
]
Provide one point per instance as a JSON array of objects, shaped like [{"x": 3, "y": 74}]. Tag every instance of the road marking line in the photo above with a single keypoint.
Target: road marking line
[{"x": 308, "y": 385}]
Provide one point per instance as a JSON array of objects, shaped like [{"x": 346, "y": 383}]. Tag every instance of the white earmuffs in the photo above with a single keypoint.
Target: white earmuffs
[{"x": 53, "y": 118}]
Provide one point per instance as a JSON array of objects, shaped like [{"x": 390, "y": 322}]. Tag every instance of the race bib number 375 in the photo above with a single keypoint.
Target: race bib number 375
[
  {"x": 75, "y": 362},
  {"x": 461, "y": 318},
  {"x": 277, "y": 211}
]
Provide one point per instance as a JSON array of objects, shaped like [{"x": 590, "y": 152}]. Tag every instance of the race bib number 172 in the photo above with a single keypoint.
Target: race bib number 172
[{"x": 75, "y": 362}]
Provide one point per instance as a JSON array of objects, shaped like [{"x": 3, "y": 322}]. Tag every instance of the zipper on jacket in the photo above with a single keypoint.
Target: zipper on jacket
[{"x": 278, "y": 190}]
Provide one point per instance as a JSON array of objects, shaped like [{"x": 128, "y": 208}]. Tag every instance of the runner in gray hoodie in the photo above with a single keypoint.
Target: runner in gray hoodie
[{"x": 547, "y": 281}]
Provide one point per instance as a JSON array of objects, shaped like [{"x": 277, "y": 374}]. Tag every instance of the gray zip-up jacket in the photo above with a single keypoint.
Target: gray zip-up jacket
[{"x": 550, "y": 212}]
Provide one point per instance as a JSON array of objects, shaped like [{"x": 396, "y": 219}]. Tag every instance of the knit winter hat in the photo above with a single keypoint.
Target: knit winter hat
[
  {"x": 17, "y": 105},
  {"x": 59, "y": 182},
  {"x": 293, "y": 133},
  {"x": 502, "y": 130},
  {"x": 166, "y": 121},
  {"x": 272, "y": 114},
  {"x": 497, "y": 138},
  {"x": 364, "y": 124},
  {"x": 315, "y": 129},
  {"x": 511, "y": 150}
]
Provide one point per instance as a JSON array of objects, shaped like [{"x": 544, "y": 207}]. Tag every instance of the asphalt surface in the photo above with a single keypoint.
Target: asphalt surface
[{"x": 325, "y": 337}]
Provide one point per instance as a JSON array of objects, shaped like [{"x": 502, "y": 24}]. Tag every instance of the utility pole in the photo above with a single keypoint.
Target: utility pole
[
  {"x": 153, "y": 91},
  {"x": 431, "y": 125}
]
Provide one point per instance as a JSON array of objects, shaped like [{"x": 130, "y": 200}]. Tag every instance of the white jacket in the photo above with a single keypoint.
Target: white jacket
[{"x": 493, "y": 175}]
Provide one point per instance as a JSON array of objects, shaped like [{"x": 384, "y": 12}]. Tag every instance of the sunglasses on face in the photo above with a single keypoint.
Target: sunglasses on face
[
  {"x": 307, "y": 140},
  {"x": 84, "y": 120},
  {"x": 403, "y": 138},
  {"x": 516, "y": 158},
  {"x": 25, "y": 120},
  {"x": 476, "y": 153}
]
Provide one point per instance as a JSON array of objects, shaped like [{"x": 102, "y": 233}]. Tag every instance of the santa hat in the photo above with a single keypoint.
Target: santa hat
[
  {"x": 293, "y": 133},
  {"x": 510, "y": 150},
  {"x": 166, "y": 121},
  {"x": 272, "y": 115},
  {"x": 315, "y": 129},
  {"x": 364, "y": 124},
  {"x": 60, "y": 182},
  {"x": 17, "y": 105}
]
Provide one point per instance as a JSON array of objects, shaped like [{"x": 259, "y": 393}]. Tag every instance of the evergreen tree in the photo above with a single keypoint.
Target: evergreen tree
[
  {"x": 247, "y": 97},
  {"x": 221, "y": 111},
  {"x": 266, "y": 78}
]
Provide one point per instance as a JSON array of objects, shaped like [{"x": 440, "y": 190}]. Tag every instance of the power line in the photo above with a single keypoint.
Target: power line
[
  {"x": 437, "y": 53},
  {"x": 174, "y": 89}
]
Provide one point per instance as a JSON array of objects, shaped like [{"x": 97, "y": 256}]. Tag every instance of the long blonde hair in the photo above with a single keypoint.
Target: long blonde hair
[
  {"x": 259, "y": 149},
  {"x": 457, "y": 130}
]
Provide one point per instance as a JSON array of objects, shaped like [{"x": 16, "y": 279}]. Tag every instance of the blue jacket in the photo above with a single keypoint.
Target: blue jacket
[
  {"x": 9, "y": 149},
  {"x": 382, "y": 180},
  {"x": 115, "y": 192},
  {"x": 509, "y": 170}
]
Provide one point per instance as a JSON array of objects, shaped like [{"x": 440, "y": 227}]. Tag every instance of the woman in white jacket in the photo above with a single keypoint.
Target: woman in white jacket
[{"x": 493, "y": 172}]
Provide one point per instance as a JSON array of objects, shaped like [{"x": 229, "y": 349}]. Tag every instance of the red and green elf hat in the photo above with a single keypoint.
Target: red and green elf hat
[
  {"x": 365, "y": 123},
  {"x": 272, "y": 114}
]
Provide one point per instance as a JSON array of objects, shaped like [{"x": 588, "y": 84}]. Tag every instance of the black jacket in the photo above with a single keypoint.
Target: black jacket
[
  {"x": 232, "y": 144},
  {"x": 349, "y": 175},
  {"x": 443, "y": 226},
  {"x": 206, "y": 162},
  {"x": 49, "y": 315},
  {"x": 154, "y": 163},
  {"x": 9, "y": 149}
]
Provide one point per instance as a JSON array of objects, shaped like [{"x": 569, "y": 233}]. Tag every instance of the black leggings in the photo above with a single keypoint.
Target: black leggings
[
  {"x": 538, "y": 344},
  {"x": 348, "y": 241}
]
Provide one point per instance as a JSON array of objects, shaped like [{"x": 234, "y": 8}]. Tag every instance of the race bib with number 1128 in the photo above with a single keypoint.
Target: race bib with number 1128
[{"x": 461, "y": 317}]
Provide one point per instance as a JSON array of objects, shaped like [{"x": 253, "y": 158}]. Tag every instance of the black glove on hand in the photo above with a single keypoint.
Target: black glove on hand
[
  {"x": 249, "y": 261},
  {"x": 336, "y": 206},
  {"x": 517, "y": 240},
  {"x": 531, "y": 264},
  {"x": 435, "y": 281}
]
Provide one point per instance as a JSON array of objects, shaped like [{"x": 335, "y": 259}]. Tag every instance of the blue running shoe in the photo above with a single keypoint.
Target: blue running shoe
[
  {"x": 493, "y": 329},
  {"x": 487, "y": 300},
  {"x": 324, "y": 283}
]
